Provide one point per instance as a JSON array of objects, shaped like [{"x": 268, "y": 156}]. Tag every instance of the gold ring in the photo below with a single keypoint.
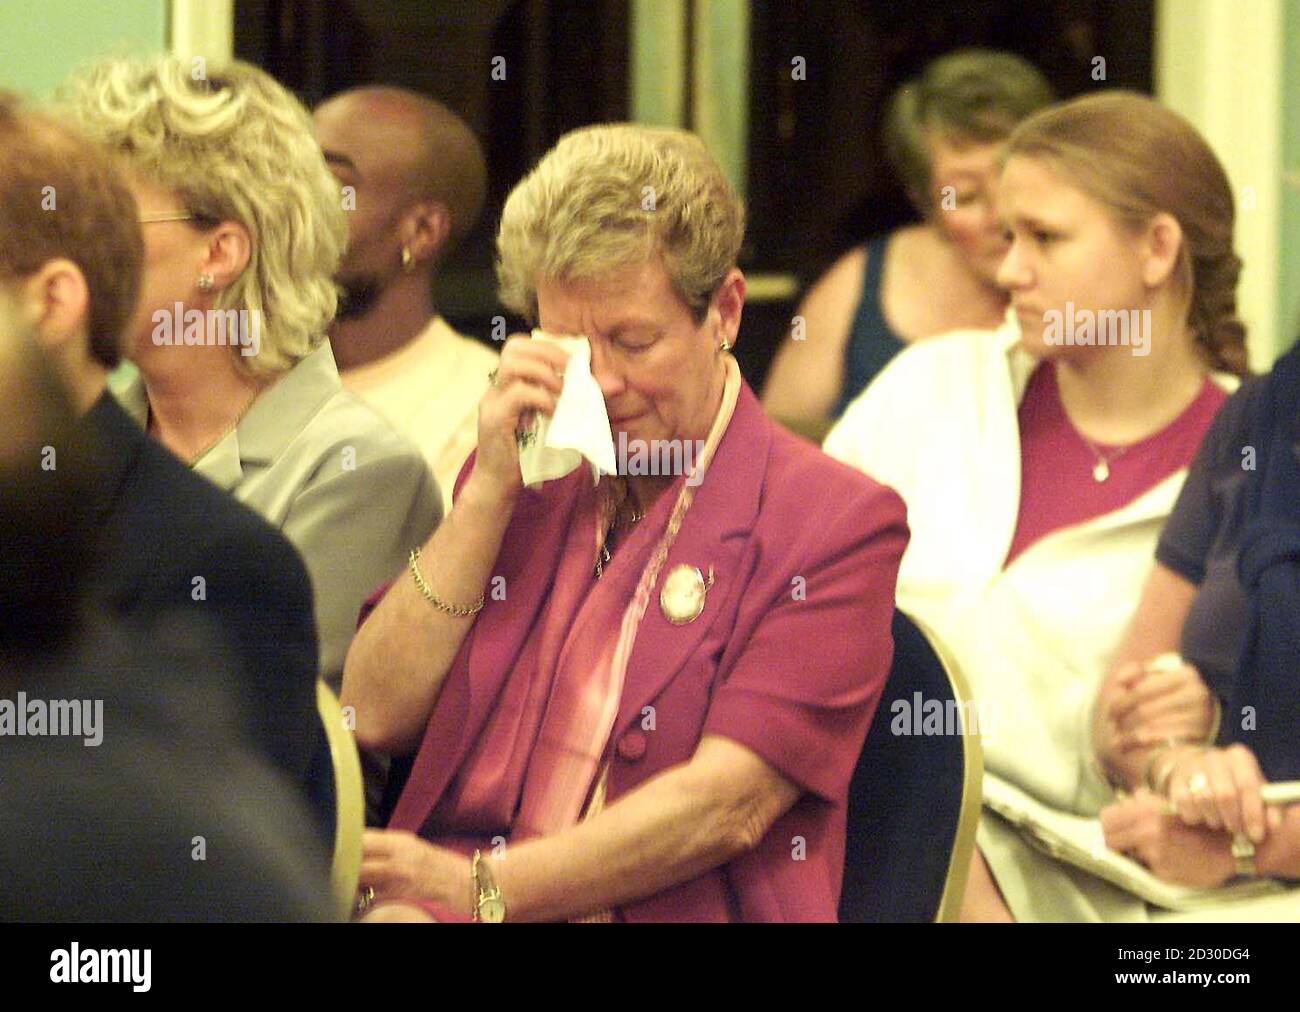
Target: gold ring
[
  {"x": 492, "y": 377},
  {"x": 365, "y": 900}
]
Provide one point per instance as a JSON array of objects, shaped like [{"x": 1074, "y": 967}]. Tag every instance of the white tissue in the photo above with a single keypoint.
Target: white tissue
[{"x": 578, "y": 430}]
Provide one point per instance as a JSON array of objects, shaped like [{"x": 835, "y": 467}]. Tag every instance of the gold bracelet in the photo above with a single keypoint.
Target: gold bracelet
[
  {"x": 1243, "y": 856},
  {"x": 433, "y": 599},
  {"x": 1157, "y": 785},
  {"x": 1160, "y": 783},
  {"x": 487, "y": 905},
  {"x": 1213, "y": 736}
]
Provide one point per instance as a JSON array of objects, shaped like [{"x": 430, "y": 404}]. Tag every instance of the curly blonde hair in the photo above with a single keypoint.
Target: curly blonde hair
[
  {"x": 234, "y": 145},
  {"x": 614, "y": 196}
]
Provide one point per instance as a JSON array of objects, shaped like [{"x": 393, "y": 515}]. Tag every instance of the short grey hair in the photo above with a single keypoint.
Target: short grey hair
[
  {"x": 617, "y": 195},
  {"x": 971, "y": 95}
]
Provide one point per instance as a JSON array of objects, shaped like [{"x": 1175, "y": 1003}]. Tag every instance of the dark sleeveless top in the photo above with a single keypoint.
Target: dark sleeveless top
[{"x": 871, "y": 342}]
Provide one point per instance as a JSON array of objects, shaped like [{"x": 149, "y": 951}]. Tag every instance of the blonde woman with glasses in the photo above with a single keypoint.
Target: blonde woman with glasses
[{"x": 243, "y": 230}]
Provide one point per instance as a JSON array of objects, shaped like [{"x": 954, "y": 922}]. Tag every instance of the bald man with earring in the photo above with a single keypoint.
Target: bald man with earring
[{"x": 413, "y": 182}]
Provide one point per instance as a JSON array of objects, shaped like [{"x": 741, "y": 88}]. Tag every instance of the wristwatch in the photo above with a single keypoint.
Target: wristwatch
[
  {"x": 1243, "y": 854},
  {"x": 489, "y": 907}
]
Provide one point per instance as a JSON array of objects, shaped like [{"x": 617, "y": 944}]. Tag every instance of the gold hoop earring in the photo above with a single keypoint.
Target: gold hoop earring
[
  {"x": 406, "y": 259},
  {"x": 724, "y": 346},
  {"x": 205, "y": 282}
]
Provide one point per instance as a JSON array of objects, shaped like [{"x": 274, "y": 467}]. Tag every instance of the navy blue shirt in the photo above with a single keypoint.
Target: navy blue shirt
[
  {"x": 872, "y": 342},
  {"x": 1202, "y": 539}
]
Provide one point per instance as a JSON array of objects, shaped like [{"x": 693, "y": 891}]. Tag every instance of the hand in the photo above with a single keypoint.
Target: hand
[
  {"x": 1143, "y": 827},
  {"x": 528, "y": 379},
  {"x": 1105, "y": 734},
  {"x": 399, "y": 865},
  {"x": 397, "y": 913},
  {"x": 1153, "y": 703},
  {"x": 1219, "y": 788}
]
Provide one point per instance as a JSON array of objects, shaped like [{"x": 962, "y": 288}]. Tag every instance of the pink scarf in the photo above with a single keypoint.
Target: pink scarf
[{"x": 534, "y": 765}]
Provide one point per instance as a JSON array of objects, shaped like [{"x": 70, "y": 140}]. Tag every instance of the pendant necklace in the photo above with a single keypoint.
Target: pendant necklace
[
  {"x": 1101, "y": 470},
  {"x": 620, "y": 518}
]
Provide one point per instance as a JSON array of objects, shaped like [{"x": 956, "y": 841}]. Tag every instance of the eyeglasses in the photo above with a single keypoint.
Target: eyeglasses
[{"x": 149, "y": 219}]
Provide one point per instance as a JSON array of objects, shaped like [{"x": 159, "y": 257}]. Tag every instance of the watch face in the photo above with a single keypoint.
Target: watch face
[{"x": 491, "y": 911}]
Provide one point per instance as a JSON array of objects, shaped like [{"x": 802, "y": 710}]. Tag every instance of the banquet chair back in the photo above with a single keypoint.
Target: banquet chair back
[
  {"x": 350, "y": 805},
  {"x": 914, "y": 801}
]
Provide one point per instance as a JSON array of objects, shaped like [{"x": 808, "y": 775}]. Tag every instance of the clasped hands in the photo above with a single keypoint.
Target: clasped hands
[
  {"x": 1210, "y": 794},
  {"x": 1142, "y": 706}
]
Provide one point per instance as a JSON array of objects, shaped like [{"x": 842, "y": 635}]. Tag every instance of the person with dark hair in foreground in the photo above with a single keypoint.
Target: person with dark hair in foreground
[{"x": 127, "y": 789}]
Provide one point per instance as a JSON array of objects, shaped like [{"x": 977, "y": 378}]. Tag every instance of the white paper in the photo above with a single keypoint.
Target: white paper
[
  {"x": 579, "y": 429},
  {"x": 1078, "y": 840}
]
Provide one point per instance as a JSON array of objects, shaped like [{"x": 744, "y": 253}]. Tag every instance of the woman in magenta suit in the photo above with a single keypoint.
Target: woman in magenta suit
[{"x": 655, "y": 713}]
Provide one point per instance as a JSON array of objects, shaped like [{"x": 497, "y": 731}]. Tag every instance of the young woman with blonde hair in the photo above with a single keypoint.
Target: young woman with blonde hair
[{"x": 1039, "y": 461}]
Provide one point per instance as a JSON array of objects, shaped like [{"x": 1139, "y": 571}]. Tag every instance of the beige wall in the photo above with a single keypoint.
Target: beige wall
[
  {"x": 719, "y": 110},
  {"x": 203, "y": 28},
  {"x": 1220, "y": 64}
]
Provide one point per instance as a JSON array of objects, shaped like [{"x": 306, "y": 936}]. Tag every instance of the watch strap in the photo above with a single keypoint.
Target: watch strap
[{"x": 1243, "y": 855}]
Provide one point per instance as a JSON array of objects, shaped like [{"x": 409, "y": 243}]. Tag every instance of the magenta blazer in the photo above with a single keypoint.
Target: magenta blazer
[{"x": 789, "y": 658}]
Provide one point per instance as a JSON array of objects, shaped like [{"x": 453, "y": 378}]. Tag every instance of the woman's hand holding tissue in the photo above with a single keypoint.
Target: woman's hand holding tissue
[{"x": 529, "y": 379}]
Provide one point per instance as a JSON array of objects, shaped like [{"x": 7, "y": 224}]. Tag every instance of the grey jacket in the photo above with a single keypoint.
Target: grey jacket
[{"x": 351, "y": 494}]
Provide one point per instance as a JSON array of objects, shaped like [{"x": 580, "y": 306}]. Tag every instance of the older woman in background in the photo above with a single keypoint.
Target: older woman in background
[
  {"x": 1039, "y": 461},
  {"x": 943, "y": 131},
  {"x": 242, "y": 214},
  {"x": 652, "y": 714},
  {"x": 169, "y": 759}
]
